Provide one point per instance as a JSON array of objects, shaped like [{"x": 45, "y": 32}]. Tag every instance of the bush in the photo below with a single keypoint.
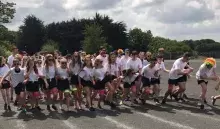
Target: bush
[
  {"x": 50, "y": 46},
  {"x": 4, "y": 51}
]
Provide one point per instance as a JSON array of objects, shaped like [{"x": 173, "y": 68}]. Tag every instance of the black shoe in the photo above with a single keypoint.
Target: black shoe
[
  {"x": 156, "y": 101},
  {"x": 38, "y": 108},
  {"x": 175, "y": 97},
  {"x": 9, "y": 108},
  {"x": 5, "y": 107},
  {"x": 205, "y": 101},
  {"x": 185, "y": 96},
  {"x": 142, "y": 101},
  {"x": 202, "y": 106},
  {"x": 163, "y": 101},
  {"x": 183, "y": 100},
  {"x": 16, "y": 103},
  {"x": 213, "y": 101},
  {"x": 91, "y": 109},
  {"x": 54, "y": 107},
  {"x": 112, "y": 105},
  {"x": 48, "y": 108},
  {"x": 99, "y": 106}
]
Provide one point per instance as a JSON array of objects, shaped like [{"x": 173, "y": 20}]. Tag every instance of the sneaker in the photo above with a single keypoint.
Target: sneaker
[
  {"x": 175, "y": 97},
  {"x": 163, "y": 101},
  {"x": 181, "y": 99},
  {"x": 202, "y": 106},
  {"x": 156, "y": 101},
  {"x": 91, "y": 109},
  {"x": 5, "y": 107},
  {"x": 38, "y": 108},
  {"x": 24, "y": 110},
  {"x": 9, "y": 108},
  {"x": 205, "y": 101},
  {"x": 142, "y": 101},
  {"x": 112, "y": 105},
  {"x": 48, "y": 108},
  {"x": 54, "y": 107},
  {"x": 213, "y": 100},
  {"x": 16, "y": 103},
  {"x": 185, "y": 96}
]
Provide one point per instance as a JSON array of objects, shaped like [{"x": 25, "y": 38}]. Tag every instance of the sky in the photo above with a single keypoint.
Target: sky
[{"x": 175, "y": 19}]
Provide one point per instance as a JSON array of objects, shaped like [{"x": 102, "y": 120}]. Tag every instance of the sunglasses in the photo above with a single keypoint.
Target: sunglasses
[
  {"x": 16, "y": 64},
  {"x": 50, "y": 59},
  {"x": 63, "y": 62}
]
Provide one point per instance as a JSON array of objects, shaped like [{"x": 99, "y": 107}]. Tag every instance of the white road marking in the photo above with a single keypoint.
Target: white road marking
[
  {"x": 159, "y": 119},
  {"x": 67, "y": 123},
  {"x": 116, "y": 123},
  {"x": 189, "y": 113}
]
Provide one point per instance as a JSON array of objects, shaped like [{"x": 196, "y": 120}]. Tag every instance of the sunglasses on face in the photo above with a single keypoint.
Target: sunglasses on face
[
  {"x": 63, "y": 63},
  {"x": 16, "y": 64},
  {"x": 50, "y": 59}
]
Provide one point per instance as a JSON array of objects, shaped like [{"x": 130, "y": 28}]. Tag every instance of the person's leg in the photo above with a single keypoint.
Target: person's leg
[{"x": 203, "y": 94}]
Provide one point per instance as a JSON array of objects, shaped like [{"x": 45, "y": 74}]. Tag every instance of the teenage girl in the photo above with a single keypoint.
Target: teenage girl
[
  {"x": 16, "y": 74},
  {"x": 5, "y": 84}
]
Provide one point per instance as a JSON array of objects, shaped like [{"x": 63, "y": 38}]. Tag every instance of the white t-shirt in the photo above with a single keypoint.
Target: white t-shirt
[
  {"x": 161, "y": 67},
  {"x": 134, "y": 64},
  {"x": 50, "y": 73},
  {"x": 203, "y": 71},
  {"x": 86, "y": 73},
  {"x": 63, "y": 73},
  {"x": 145, "y": 63},
  {"x": 40, "y": 70},
  {"x": 104, "y": 60},
  {"x": 177, "y": 65},
  {"x": 113, "y": 69},
  {"x": 131, "y": 79},
  {"x": 10, "y": 60},
  {"x": 149, "y": 72},
  {"x": 16, "y": 78},
  {"x": 123, "y": 62},
  {"x": 33, "y": 77},
  {"x": 76, "y": 69},
  {"x": 4, "y": 70},
  {"x": 99, "y": 74}
]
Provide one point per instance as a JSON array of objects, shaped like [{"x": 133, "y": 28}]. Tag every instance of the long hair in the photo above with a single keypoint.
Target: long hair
[
  {"x": 28, "y": 65},
  {"x": 47, "y": 62},
  {"x": 78, "y": 60}
]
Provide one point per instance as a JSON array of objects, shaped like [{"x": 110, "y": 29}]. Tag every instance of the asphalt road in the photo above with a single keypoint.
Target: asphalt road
[{"x": 173, "y": 115}]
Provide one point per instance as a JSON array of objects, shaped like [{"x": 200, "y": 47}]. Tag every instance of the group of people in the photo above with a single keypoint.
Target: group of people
[{"x": 83, "y": 77}]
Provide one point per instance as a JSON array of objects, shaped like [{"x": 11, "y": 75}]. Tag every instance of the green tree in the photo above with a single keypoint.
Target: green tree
[
  {"x": 50, "y": 46},
  {"x": 139, "y": 40},
  {"x": 7, "y": 12},
  {"x": 93, "y": 38},
  {"x": 31, "y": 35}
]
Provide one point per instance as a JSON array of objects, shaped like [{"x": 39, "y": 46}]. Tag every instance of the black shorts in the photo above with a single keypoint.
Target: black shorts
[
  {"x": 52, "y": 84},
  {"x": 182, "y": 79},
  {"x": 74, "y": 80},
  {"x": 6, "y": 84},
  {"x": 112, "y": 77},
  {"x": 100, "y": 85},
  {"x": 146, "y": 82},
  {"x": 173, "y": 81},
  {"x": 41, "y": 83},
  {"x": 32, "y": 86},
  {"x": 86, "y": 83},
  {"x": 154, "y": 81},
  {"x": 19, "y": 88},
  {"x": 201, "y": 81},
  {"x": 63, "y": 85}
]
